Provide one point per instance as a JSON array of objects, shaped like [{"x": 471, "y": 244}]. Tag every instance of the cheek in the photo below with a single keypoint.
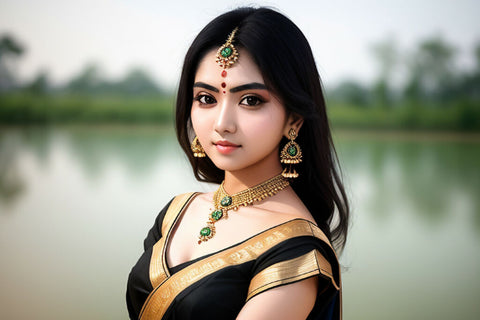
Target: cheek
[
  {"x": 199, "y": 120},
  {"x": 194, "y": 117},
  {"x": 270, "y": 124}
]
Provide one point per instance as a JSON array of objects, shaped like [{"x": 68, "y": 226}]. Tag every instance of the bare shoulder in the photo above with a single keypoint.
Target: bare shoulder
[
  {"x": 287, "y": 206},
  {"x": 200, "y": 199},
  {"x": 280, "y": 208}
]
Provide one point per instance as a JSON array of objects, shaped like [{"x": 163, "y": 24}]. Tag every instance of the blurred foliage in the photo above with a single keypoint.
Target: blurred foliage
[
  {"x": 464, "y": 116},
  {"x": 434, "y": 93},
  {"x": 26, "y": 108},
  {"x": 10, "y": 50},
  {"x": 386, "y": 57},
  {"x": 90, "y": 81}
]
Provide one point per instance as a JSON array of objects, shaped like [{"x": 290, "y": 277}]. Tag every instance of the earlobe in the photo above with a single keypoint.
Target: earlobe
[
  {"x": 294, "y": 122},
  {"x": 298, "y": 124}
]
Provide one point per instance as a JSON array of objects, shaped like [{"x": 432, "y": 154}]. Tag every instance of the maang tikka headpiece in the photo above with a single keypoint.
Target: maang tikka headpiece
[{"x": 227, "y": 54}]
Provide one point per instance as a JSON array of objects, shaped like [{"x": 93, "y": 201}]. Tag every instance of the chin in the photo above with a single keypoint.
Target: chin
[{"x": 229, "y": 164}]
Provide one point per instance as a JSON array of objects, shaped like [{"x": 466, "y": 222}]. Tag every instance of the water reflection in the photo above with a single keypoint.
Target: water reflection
[
  {"x": 11, "y": 183},
  {"x": 82, "y": 199},
  {"x": 429, "y": 180},
  {"x": 137, "y": 150}
]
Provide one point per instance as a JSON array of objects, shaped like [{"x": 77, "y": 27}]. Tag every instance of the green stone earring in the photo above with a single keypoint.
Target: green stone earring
[{"x": 291, "y": 154}]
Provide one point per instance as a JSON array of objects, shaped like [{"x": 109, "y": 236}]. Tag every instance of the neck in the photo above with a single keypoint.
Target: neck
[{"x": 236, "y": 181}]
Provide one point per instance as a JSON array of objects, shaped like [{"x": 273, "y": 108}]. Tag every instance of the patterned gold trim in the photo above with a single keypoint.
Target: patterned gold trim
[
  {"x": 158, "y": 267},
  {"x": 163, "y": 295},
  {"x": 284, "y": 272},
  {"x": 156, "y": 272},
  {"x": 174, "y": 209},
  {"x": 317, "y": 232}
]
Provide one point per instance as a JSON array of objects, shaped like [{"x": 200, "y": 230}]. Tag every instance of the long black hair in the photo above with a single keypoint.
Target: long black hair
[{"x": 286, "y": 62}]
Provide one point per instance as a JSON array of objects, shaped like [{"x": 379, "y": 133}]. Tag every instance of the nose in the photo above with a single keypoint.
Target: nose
[{"x": 226, "y": 118}]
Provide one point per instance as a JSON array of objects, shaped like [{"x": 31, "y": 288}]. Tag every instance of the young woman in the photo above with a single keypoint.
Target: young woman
[{"x": 251, "y": 117}]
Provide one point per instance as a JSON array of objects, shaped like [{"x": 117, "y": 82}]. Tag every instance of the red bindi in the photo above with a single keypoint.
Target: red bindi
[
  {"x": 224, "y": 91},
  {"x": 224, "y": 84},
  {"x": 224, "y": 73}
]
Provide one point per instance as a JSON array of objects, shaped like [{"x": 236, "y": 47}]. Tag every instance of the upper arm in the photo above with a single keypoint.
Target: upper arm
[{"x": 287, "y": 302}]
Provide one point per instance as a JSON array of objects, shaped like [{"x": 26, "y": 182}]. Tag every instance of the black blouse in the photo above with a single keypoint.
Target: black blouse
[{"x": 217, "y": 285}]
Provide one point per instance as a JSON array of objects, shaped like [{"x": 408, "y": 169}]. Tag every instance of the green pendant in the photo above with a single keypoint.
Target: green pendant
[
  {"x": 226, "y": 201},
  {"x": 226, "y": 52},
  {"x": 292, "y": 150},
  {"x": 205, "y": 232},
  {"x": 216, "y": 215}
]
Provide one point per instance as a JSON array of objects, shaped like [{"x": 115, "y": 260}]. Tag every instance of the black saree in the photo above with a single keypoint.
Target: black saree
[{"x": 216, "y": 286}]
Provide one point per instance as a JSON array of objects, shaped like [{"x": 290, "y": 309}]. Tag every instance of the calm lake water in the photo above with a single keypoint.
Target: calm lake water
[{"x": 76, "y": 203}]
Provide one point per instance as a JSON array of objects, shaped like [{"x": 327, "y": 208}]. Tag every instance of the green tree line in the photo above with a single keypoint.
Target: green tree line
[{"x": 434, "y": 93}]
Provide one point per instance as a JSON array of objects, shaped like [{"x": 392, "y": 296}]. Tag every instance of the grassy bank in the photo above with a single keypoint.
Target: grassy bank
[
  {"x": 37, "y": 109},
  {"x": 463, "y": 116},
  {"x": 21, "y": 108}
]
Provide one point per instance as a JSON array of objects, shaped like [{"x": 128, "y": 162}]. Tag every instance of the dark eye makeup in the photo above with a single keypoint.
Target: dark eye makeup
[
  {"x": 248, "y": 100},
  {"x": 205, "y": 99},
  {"x": 252, "y": 100}
]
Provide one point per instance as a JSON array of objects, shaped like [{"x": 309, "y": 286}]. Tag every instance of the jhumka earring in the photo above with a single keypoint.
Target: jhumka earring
[
  {"x": 197, "y": 148},
  {"x": 291, "y": 154}
]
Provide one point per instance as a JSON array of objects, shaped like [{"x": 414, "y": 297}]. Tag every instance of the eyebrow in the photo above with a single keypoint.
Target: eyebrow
[
  {"x": 248, "y": 86},
  {"x": 205, "y": 86}
]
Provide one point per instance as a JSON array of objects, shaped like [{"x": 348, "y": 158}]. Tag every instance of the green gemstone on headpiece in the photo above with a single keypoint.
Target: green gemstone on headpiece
[
  {"x": 292, "y": 150},
  {"x": 205, "y": 232},
  {"x": 226, "y": 201},
  {"x": 216, "y": 215},
  {"x": 226, "y": 52}
]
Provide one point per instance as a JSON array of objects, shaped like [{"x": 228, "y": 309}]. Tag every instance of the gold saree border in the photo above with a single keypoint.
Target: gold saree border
[
  {"x": 289, "y": 271},
  {"x": 317, "y": 232},
  {"x": 158, "y": 270},
  {"x": 163, "y": 295}
]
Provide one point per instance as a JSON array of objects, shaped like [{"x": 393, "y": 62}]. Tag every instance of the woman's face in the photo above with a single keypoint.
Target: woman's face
[{"x": 237, "y": 120}]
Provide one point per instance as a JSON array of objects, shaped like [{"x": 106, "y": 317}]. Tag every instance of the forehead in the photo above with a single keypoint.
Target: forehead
[{"x": 243, "y": 71}]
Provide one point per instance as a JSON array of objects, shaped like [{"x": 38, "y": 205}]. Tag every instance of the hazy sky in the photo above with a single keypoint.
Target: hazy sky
[{"x": 61, "y": 36}]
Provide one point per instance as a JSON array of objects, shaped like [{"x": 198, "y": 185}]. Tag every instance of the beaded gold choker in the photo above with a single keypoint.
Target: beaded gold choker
[{"x": 223, "y": 202}]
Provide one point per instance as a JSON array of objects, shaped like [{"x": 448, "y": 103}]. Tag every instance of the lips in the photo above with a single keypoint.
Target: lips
[
  {"x": 226, "y": 143},
  {"x": 226, "y": 147}
]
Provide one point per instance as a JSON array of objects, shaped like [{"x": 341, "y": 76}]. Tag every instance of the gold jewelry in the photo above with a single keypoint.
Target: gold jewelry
[
  {"x": 291, "y": 154},
  {"x": 223, "y": 202},
  {"x": 197, "y": 148},
  {"x": 227, "y": 54}
]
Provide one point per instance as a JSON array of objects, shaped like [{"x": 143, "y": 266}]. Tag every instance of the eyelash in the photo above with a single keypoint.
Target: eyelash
[
  {"x": 202, "y": 99},
  {"x": 258, "y": 100},
  {"x": 204, "y": 96}
]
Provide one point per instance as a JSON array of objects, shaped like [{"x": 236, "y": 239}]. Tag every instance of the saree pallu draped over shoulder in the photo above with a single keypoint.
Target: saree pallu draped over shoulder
[{"x": 217, "y": 286}]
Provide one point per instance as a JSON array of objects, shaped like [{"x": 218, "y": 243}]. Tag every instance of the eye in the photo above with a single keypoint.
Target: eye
[
  {"x": 251, "y": 101},
  {"x": 205, "y": 99}
]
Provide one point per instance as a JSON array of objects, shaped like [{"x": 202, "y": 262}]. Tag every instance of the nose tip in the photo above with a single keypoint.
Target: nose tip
[{"x": 226, "y": 119}]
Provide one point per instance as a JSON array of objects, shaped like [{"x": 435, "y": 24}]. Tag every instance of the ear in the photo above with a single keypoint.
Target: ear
[{"x": 294, "y": 121}]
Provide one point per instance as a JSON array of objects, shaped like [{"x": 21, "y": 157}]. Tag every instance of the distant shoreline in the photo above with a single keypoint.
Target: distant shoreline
[
  {"x": 407, "y": 135},
  {"x": 338, "y": 133}
]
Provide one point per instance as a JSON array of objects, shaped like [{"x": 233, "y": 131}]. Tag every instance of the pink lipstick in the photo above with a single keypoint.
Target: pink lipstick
[{"x": 226, "y": 147}]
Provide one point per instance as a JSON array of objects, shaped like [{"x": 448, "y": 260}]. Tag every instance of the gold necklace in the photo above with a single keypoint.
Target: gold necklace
[{"x": 223, "y": 202}]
